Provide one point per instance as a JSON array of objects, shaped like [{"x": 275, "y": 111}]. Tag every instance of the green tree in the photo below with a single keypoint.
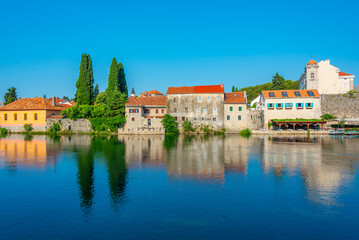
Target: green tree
[
  {"x": 187, "y": 127},
  {"x": 85, "y": 91},
  {"x": 122, "y": 79},
  {"x": 116, "y": 102},
  {"x": 10, "y": 96},
  {"x": 113, "y": 77},
  {"x": 101, "y": 98},
  {"x": 66, "y": 98},
  {"x": 278, "y": 82},
  {"x": 170, "y": 125},
  {"x": 328, "y": 117},
  {"x": 96, "y": 92}
]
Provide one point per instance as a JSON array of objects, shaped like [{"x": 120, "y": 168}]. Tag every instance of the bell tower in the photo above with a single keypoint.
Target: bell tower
[{"x": 311, "y": 71}]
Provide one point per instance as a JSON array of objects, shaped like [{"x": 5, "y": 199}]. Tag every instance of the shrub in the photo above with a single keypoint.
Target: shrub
[
  {"x": 187, "y": 127},
  {"x": 170, "y": 125},
  {"x": 206, "y": 129},
  {"x": 28, "y": 128},
  {"x": 100, "y": 124},
  {"x": 245, "y": 133},
  {"x": 3, "y": 131},
  {"x": 55, "y": 128},
  {"x": 328, "y": 117}
]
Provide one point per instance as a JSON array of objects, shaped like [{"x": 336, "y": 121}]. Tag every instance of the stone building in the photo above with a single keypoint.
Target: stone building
[
  {"x": 325, "y": 78},
  {"x": 290, "y": 104},
  {"x": 235, "y": 111},
  {"x": 144, "y": 115},
  {"x": 202, "y": 105}
]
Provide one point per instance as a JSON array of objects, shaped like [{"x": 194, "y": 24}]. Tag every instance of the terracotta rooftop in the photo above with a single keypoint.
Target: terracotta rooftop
[
  {"x": 147, "y": 101},
  {"x": 32, "y": 104},
  {"x": 235, "y": 97},
  {"x": 312, "y": 62},
  {"x": 196, "y": 89},
  {"x": 344, "y": 74},
  {"x": 155, "y": 92},
  {"x": 289, "y": 93}
]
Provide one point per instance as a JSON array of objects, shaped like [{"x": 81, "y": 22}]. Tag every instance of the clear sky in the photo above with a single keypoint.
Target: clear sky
[{"x": 171, "y": 43}]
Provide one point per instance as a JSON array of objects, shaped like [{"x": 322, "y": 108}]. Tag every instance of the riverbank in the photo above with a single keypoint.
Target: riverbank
[{"x": 290, "y": 133}]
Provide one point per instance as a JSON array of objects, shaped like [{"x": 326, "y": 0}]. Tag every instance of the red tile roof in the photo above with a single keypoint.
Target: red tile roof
[
  {"x": 344, "y": 74},
  {"x": 290, "y": 93},
  {"x": 312, "y": 62},
  {"x": 235, "y": 97},
  {"x": 147, "y": 101},
  {"x": 32, "y": 104},
  {"x": 196, "y": 89},
  {"x": 56, "y": 116},
  {"x": 155, "y": 92}
]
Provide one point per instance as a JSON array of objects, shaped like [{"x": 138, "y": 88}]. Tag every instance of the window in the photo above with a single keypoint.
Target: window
[
  {"x": 228, "y": 117},
  {"x": 208, "y": 99},
  {"x": 15, "y": 116},
  {"x": 175, "y": 110},
  {"x": 312, "y": 75},
  {"x": 218, "y": 98},
  {"x": 35, "y": 116},
  {"x": 288, "y": 105},
  {"x": 25, "y": 117},
  {"x": 186, "y": 109},
  {"x": 156, "y": 110},
  {"x": 214, "y": 109},
  {"x": 310, "y": 93},
  {"x": 183, "y": 118},
  {"x": 130, "y": 111},
  {"x": 5, "y": 117},
  {"x": 231, "y": 108},
  {"x": 199, "y": 99},
  {"x": 270, "y": 105},
  {"x": 175, "y": 100},
  {"x": 205, "y": 110},
  {"x": 136, "y": 110},
  {"x": 175, "y": 118},
  {"x": 345, "y": 87},
  {"x": 279, "y": 105},
  {"x": 271, "y": 94},
  {"x": 133, "y": 119},
  {"x": 162, "y": 111},
  {"x": 194, "y": 118},
  {"x": 147, "y": 110},
  {"x": 240, "y": 109},
  {"x": 299, "y": 105},
  {"x": 309, "y": 105},
  {"x": 202, "y": 118},
  {"x": 284, "y": 94},
  {"x": 214, "y": 119},
  {"x": 198, "y": 110},
  {"x": 297, "y": 93},
  {"x": 239, "y": 117}
]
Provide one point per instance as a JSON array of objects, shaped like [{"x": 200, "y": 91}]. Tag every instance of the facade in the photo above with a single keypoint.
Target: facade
[
  {"x": 34, "y": 111},
  {"x": 202, "y": 105},
  {"x": 290, "y": 104},
  {"x": 235, "y": 111},
  {"x": 144, "y": 115},
  {"x": 325, "y": 78}
]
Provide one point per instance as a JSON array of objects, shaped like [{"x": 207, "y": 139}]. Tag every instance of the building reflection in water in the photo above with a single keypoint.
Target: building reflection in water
[{"x": 27, "y": 152}]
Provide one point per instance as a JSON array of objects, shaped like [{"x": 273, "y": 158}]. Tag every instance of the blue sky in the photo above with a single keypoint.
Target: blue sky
[{"x": 171, "y": 43}]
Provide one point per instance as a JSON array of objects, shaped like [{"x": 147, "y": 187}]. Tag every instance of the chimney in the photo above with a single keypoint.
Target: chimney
[
  {"x": 133, "y": 92},
  {"x": 53, "y": 101}
]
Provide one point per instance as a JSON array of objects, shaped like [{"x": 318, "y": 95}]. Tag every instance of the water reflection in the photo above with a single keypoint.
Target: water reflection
[{"x": 323, "y": 165}]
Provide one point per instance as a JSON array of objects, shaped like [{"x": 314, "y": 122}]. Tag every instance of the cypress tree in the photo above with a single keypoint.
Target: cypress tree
[
  {"x": 278, "y": 82},
  {"x": 122, "y": 79},
  {"x": 96, "y": 92},
  {"x": 113, "y": 77},
  {"x": 85, "y": 92}
]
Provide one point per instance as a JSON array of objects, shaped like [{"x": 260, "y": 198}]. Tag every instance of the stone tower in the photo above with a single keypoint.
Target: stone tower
[
  {"x": 311, "y": 72},
  {"x": 133, "y": 93}
]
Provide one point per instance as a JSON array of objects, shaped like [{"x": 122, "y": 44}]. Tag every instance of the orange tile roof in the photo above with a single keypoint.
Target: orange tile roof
[
  {"x": 196, "y": 89},
  {"x": 235, "y": 97},
  {"x": 155, "y": 92},
  {"x": 147, "y": 101},
  {"x": 56, "y": 116},
  {"x": 344, "y": 74},
  {"x": 312, "y": 62},
  {"x": 32, "y": 104},
  {"x": 290, "y": 93}
]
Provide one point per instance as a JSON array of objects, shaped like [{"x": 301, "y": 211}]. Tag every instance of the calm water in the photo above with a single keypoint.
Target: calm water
[{"x": 152, "y": 187}]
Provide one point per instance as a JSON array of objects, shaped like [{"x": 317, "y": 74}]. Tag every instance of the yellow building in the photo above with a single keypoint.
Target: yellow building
[{"x": 32, "y": 111}]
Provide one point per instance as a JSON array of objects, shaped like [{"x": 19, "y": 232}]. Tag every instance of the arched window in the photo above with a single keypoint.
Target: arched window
[{"x": 312, "y": 75}]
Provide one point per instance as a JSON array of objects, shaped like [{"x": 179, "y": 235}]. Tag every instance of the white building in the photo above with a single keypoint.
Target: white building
[{"x": 325, "y": 78}]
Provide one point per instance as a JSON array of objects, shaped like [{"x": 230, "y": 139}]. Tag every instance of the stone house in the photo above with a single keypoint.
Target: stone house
[
  {"x": 290, "y": 104},
  {"x": 235, "y": 111},
  {"x": 325, "y": 78},
  {"x": 202, "y": 105},
  {"x": 144, "y": 115}
]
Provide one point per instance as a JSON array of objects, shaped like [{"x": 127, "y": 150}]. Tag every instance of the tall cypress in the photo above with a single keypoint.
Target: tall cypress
[
  {"x": 96, "y": 92},
  {"x": 113, "y": 82},
  {"x": 85, "y": 92},
  {"x": 122, "y": 79}
]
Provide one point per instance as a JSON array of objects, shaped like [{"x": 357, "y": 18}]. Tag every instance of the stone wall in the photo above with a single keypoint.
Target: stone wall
[
  {"x": 255, "y": 119},
  {"x": 77, "y": 126},
  {"x": 156, "y": 127},
  {"x": 340, "y": 106}
]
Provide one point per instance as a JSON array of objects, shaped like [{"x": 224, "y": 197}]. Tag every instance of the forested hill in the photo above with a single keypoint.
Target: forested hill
[{"x": 278, "y": 83}]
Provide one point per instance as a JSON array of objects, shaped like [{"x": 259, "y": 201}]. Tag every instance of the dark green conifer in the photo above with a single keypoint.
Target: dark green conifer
[
  {"x": 85, "y": 92},
  {"x": 113, "y": 77},
  {"x": 122, "y": 79}
]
